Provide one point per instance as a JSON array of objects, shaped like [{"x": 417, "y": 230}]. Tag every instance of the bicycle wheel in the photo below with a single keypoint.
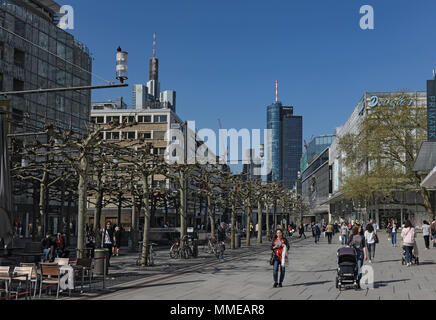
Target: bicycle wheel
[{"x": 174, "y": 251}]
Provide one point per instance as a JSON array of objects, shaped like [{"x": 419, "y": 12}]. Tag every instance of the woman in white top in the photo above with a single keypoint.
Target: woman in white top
[
  {"x": 370, "y": 241},
  {"x": 426, "y": 234}
]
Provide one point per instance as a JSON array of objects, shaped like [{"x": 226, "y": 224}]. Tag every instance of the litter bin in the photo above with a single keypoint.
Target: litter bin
[
  {"x": 238, "y": 240},
  {"x": 99, "y": 263}
]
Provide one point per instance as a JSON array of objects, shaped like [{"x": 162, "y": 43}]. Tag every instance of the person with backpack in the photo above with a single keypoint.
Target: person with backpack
[
  {"x": 357, "y": 241},
  {"x": 280, "y": 247},
  {"x": 316, "y": 231},
  {"x": 371, "y": 240}
]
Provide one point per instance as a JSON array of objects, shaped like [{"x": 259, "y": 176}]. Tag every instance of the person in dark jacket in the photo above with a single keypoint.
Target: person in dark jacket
[
  {"x": 107, "y": 238},
  {"x": 117, "y": 241},
  {"x": 277, "y": 246},
  {"x": 221, "y": 230},
  {"x": 48, "y": 247}
]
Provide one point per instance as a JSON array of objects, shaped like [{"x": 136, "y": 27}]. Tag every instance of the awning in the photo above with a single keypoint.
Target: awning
[
  {"x": 430, "y": 181},
  {"x": 426, "y": 159}
]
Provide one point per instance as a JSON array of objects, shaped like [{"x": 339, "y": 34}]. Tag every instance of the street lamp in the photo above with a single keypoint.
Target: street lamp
[{"x": 121, "y": 65}]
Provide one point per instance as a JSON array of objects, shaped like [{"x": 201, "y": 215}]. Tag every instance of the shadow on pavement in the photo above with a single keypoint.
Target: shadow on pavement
[
  {"x": 379, "y": 284},
  {"x": 309, "y": 283}
]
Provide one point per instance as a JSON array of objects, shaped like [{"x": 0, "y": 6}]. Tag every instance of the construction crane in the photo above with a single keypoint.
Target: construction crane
[{"x": 306, "y": 145}]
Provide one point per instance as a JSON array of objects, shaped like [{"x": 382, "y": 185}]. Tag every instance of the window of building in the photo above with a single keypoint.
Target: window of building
[
  {"x": 130, "y": 135},
  {"x": 129, "y": 119},
  {"x": 112, "y": 136},
  {"x": 19, "y": 57},
  {"x": 43, "y": 40},
  {"x": 20, "y": 28},
  {"x": 115, "y": 119},
  {"x": 162, "y": 151},
  {"x": 158, "y": 135},
  {"x": 2, "y": 49},
  {"x": 145, "y": 135},
  {"x": 18, "y": 85},
  {"x": 144, "y": 119},
  {"x": 160, "y": 119}
]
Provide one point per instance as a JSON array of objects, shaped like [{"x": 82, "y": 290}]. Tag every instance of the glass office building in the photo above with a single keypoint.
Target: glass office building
[
  {"x": 287, "y": 137},
  {"x": 314, "y": 149},
  {"x": 34, "y": 54}
]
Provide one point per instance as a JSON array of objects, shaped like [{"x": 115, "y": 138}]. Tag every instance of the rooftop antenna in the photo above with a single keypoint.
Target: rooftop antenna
[
  {"x": 277, "y": 91},
  {"x": 154, "y": 44}
]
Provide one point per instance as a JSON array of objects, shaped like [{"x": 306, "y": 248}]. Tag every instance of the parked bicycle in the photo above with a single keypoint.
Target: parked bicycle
[
  {"x": 150, "y": 254},
  {"x": 210, "y": 247},
  {"x": 190, "y": 248}
]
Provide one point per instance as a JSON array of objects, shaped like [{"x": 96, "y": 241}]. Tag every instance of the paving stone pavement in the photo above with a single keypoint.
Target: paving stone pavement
[{"x": 310, "y": 275}]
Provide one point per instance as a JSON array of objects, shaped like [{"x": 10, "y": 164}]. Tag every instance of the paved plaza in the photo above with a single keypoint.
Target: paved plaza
[{"x": 311, "y": 273}]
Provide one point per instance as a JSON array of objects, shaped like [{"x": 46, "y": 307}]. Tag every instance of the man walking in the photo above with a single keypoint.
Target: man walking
[
  {"x": 301, "y": 231},
  {"x": 221, "y": 241},
  {"x": 107, "y": 238},
  {"x": 329, "y": 232}
]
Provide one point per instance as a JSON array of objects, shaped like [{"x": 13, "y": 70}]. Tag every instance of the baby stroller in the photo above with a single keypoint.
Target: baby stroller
[
  {"x": 347, "y": 268},
  {"x": 415, "y": 256}
]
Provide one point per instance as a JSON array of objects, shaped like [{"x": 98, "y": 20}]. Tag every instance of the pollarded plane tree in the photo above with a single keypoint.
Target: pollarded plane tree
[
  {"x": 43, "y": 166},
  {"x": 145, "y": 164},
  {"x": 79, "y": 150}
]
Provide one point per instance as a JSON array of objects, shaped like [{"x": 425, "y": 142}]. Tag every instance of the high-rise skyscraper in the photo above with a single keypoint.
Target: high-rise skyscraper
[
  {"x": 149, "y": 96},
  {"x": 287, "y": 143}
]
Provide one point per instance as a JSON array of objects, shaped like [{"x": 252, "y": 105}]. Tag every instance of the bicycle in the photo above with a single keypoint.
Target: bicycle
[
  {"x": 211, "y": 246},
  {"x": 175, "y": 250},
  {"x": 150, "y": 254}
]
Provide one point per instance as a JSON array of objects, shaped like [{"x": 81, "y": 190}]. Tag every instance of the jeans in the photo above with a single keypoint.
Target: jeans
[
  {"x": 371, "y": 251},
  {"x": 277, "y": 264},
  {"x": 427, "y": 241},
  {"x": 329, "y": 237},
  {"x": 317, "y": 238},
  {"x": 408, "y": 250},
  {"x": 394, "y": 238},
  {"x": 360, "y": 258},
  {"x": 343, "y": 239},
  {"x": 46, "y": 254}
]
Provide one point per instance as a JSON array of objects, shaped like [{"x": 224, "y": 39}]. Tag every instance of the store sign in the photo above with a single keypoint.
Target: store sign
[
  {"x": 393, "y": 102},
  {"x": 431, "y": 110}
]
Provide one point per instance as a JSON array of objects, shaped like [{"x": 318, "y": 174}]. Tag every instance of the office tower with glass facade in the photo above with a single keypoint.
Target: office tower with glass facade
[{"x": 287, "y": 143}]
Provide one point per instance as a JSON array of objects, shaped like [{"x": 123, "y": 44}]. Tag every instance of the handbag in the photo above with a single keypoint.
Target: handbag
[
  {"x": 375, "y": 238},
  {"x": 271, "y": 260}
]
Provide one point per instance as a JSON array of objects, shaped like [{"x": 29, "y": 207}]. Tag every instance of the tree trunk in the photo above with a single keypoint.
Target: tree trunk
[
  {"x": 35, "y": 235},
  {"x": 83, "y": 193},
  {"x": 427, "y": 203},
  {"x": 248, "y": 232},
  {"x": 211, "y": 215},
  {"x": 275, "y": 216},
  {"x": 183, "y": 211},
  {"x": 98, "y": 209},
  {"x": 68, "y": 218},
  {"x": 268, "y": 231},
  {"x": 259, "y": 221},
  {"x": 120, "y": 207},
  {"x": 133, "y": 226},
  {"x": 233, "y": 243},
  {"x": 146, "y": 197},
  {"x": 42, "y": 204}
]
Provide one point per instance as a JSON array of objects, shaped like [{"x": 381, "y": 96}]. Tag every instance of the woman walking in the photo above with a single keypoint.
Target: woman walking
[
  {"x": 426, "y": 233},
  {"x": 280, "y": 247},
  {"x": 344, "y": 233},
  {"x": 394, "y": 227},
  {"x": 370, "y": 236},
  {"x": 408, "y": 235},
  {"x": 117, "y": 241},
  {"x": 329, "y": 232},
  {"x": 357, "y": 241},
  {"x": 301, "y": 231}
]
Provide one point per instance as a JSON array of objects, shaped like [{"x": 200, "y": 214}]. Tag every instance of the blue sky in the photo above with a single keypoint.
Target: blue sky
[{"x": 222, "y": 57}]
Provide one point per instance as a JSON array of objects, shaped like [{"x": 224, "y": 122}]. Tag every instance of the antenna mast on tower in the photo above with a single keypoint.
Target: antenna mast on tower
[{"x": 277, "y": 91}]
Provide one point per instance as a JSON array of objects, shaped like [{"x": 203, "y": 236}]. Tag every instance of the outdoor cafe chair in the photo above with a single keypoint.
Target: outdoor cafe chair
[
  {"x": 35, "y": 276},
  {"x": 5, "y": 270},
  {"x": 82, "y": 266},
  {"x": 24, "y": 274},
  {"x": 50, "y": 275}
]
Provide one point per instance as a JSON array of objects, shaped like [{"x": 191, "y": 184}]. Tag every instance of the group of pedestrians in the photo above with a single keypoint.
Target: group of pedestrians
[{"x": 54, "y": 246}]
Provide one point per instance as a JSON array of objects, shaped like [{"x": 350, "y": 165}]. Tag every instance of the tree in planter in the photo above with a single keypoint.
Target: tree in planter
[{"x": 380, "y": 158}]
